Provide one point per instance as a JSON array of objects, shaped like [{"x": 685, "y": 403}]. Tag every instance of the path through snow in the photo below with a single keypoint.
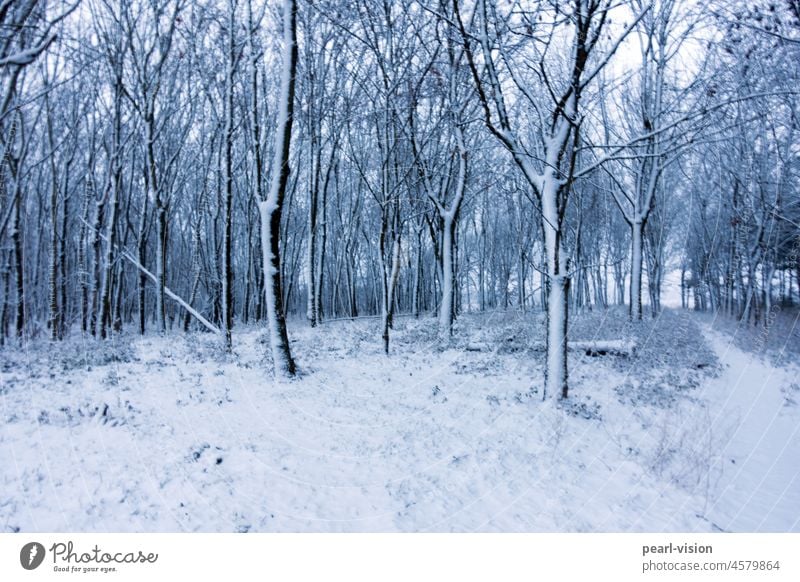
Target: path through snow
[{"x": 759, "y": 487}]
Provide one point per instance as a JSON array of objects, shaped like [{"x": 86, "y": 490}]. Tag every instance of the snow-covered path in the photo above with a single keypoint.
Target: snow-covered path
[{"x": 759, "y": 486}]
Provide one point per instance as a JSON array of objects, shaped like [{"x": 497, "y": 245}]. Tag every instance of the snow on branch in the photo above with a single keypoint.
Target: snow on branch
[
  {"x": 27, "y": 56},
  {"x": 169, "y": 293}
]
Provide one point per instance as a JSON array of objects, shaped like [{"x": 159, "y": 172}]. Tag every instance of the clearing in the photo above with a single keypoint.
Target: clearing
[{"x": 153, "y": 434}]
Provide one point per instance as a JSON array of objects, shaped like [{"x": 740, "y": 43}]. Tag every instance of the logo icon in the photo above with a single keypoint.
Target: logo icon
[{"x": 31, "y": 555}]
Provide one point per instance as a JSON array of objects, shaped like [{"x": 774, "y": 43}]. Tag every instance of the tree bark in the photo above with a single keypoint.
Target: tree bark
[{"x": 271, "y": 209}]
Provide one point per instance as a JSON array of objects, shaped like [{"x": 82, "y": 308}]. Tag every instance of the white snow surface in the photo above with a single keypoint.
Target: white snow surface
[
  {"x": 173, "y": 435},
  {"x": 759, "y": 488}
]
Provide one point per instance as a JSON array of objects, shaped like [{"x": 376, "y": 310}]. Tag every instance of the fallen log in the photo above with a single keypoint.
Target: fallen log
[
  {"x": 590, "y": 348},
  {"x": 602, "y": 348}
]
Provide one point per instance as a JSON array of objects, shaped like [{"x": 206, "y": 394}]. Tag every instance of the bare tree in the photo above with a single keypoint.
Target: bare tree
[{"x": 558, "y": 135}]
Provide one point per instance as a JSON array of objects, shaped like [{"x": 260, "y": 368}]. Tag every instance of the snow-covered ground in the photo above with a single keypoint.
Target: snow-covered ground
[
  {"x": 170, "y": 434},
  {"x": 755, "y": 404}
]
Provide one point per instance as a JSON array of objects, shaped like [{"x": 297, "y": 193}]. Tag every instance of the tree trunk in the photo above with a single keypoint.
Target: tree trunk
[
  {"x": 557, "y": 317},
  {"x": 62, "y": 258},
  {"x": 227, "y": 242},
  {"x": 141, "y": 251},
  {"x": 16, "y": 239},
  {"x": 55, "y": 314},
  {"x": 83, "y": 258},
  {"x": 557, "y": 291},
  {"x": 270, "y": 209},
  {"x": 104, "y": 316},
  {"x": 54, "y": 321},
  {"x": 311, "y": 272},
  {"x": 446, "y": 303},
  {"x": 637, "y": 250},
  {"x": 161, "y": 266},
  {"x": 416, "y": 289}
]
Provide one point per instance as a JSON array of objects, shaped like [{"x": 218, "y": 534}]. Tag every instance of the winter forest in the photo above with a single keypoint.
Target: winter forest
[{"x": 399, "y": 265}]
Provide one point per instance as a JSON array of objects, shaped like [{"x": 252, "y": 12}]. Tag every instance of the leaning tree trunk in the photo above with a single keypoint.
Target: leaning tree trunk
[{"x": 271, "y": 208}]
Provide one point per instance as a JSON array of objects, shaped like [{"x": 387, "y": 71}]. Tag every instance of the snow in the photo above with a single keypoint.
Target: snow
[
  {"x": 759, "y": 488},
  {"x": 171, "y": 434},
  {"x": 27, "y": 56}
]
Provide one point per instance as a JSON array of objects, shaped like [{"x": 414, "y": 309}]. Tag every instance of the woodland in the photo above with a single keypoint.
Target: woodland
[{"x": 278, "y": 238}]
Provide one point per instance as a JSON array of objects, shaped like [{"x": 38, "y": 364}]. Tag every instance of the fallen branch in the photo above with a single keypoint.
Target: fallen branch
[
  {"x": 210, "y": 326},
  {"x": 601, "y": 348},
  {"x": 590, "y": 348}
]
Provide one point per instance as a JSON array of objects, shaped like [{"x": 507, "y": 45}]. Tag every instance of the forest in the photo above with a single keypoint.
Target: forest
[{"x": 329, "y": 174}]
